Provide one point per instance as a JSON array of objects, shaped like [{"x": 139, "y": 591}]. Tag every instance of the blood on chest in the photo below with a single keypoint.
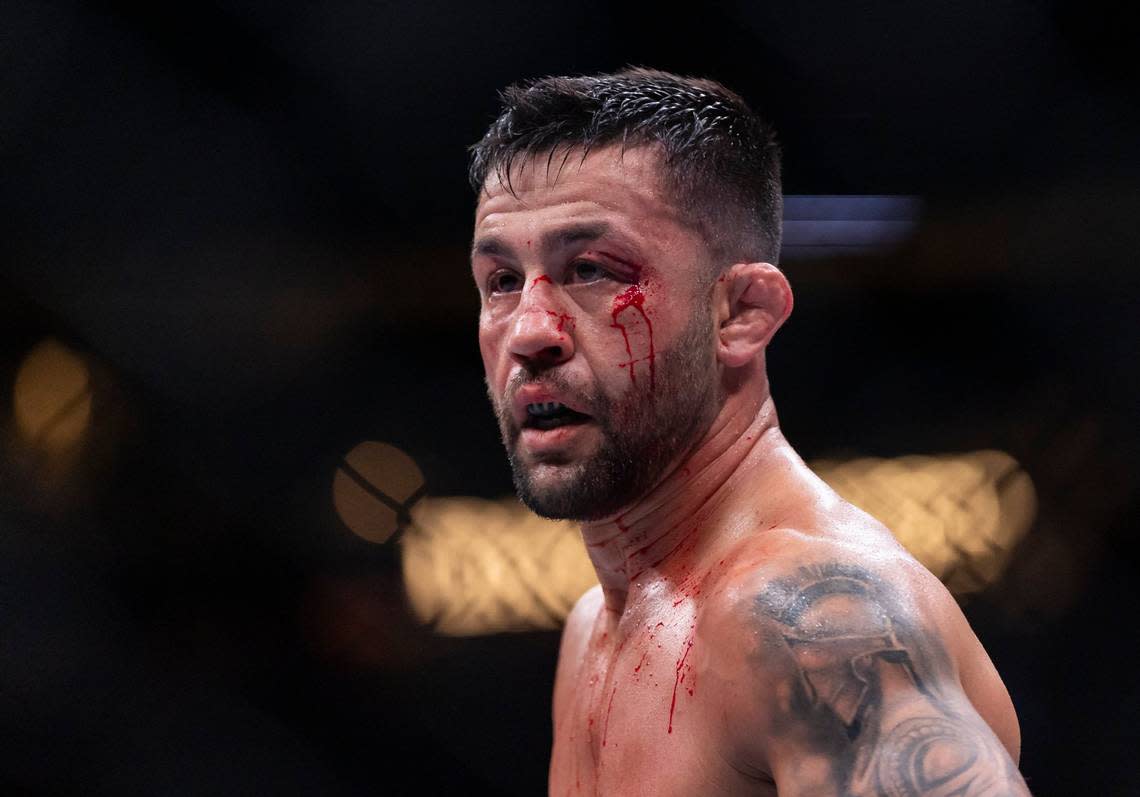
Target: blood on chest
[{"x": 632, "y": 709}]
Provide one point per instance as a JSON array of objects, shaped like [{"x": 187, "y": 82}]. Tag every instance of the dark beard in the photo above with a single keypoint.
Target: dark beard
[{"x": 649, "y": 429}]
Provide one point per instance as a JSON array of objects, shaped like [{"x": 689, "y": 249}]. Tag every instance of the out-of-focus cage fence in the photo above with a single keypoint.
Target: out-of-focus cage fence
[
  {"x": 236, "y": 244},
  {"x": 474, "y": 566}
]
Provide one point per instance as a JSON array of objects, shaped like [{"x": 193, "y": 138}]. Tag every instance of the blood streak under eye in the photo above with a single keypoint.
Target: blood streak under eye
[{"x": 633, "y": 297}]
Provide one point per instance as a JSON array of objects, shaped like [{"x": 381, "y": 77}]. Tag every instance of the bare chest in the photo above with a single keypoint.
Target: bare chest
[{"x": 642, "y": 719}]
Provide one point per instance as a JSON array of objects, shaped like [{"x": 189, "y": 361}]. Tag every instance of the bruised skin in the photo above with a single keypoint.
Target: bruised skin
[
  {"x": 751, "y": 631},
  {"x": 573, "y": 297},
  {"x": 625, "y": 315}
]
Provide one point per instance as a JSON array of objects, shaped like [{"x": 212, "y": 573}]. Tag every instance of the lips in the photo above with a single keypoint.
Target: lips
[
  {"x": 538, "y": 407},
  {"x": 551, "y": 415}
]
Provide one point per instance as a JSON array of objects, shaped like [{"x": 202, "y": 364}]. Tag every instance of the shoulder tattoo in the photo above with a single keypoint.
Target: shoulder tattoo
[{"x": 863, "y": 687}]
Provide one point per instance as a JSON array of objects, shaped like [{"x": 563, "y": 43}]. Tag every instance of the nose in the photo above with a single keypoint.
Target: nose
[{"x": 542, "y": 334}]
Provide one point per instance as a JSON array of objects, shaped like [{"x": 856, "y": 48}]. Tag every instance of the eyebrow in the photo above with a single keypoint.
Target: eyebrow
[{"x": 493, "y": 246}]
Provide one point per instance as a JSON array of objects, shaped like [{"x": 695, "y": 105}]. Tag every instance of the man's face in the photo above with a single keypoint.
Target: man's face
[{"x": 595, "y": 329}]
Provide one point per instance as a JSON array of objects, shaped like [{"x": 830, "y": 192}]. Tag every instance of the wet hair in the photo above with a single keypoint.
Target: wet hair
[{"x": 719, "y": 159}]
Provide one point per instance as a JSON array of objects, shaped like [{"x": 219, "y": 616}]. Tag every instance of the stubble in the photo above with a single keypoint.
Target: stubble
[{"x": 645, "y": 431}]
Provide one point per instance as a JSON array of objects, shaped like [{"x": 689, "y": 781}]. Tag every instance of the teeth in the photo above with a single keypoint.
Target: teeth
[{"x": 544, "y": 408}]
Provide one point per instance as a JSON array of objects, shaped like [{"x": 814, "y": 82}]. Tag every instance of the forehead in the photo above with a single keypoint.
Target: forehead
[{"x": 624, "y": 188}]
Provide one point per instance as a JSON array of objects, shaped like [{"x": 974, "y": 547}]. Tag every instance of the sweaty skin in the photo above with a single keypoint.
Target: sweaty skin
[{"x": 752, "y": 633}]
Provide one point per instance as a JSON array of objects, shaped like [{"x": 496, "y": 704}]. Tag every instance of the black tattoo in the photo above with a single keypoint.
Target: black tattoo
[{"x": 864, "y": 691}]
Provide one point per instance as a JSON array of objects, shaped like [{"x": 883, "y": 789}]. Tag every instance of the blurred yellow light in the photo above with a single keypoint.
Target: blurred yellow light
[
  {"x": 52, "y": 396},
  {"x": 374, "y": 487},
  {"x": 960, "y": 515},
  {"x": 473, "y": 566}
]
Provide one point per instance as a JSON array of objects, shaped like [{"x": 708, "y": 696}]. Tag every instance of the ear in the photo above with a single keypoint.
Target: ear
[{"x": 752, "y": 300}]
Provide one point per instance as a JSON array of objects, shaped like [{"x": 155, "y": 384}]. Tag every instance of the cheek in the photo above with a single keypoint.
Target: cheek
[
  {"x": 631, "y": 313},
  {"x": 490, "y": 345}
]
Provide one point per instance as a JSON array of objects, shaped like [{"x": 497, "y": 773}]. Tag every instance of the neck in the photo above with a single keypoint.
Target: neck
[{"x": 692, "y": 510}]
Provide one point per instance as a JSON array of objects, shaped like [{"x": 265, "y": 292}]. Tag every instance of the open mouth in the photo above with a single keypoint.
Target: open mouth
[{"x": 551, "y": 415}]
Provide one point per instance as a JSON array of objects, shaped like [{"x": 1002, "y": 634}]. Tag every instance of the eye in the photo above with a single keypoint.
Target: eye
[
  {"x": 587, "y": 271},
  {"x": 504, "y": 282}
]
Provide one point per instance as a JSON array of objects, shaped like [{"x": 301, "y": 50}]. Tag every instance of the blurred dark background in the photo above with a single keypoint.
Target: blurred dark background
[{"x": 250, "y": 219}]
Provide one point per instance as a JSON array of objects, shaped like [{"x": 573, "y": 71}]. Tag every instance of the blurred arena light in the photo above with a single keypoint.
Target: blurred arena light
[
  {"x": 830, "y": 225},
  {"x": 373, "y": 489},
  {"x": 473, "y": 566},
  {"x": 51, "y": 397},
  {"x": 960, "y": 515}
]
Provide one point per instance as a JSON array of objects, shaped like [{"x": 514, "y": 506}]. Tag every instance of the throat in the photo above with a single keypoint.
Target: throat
[
  {"x": 725, "y": 486},
  {"x": 639, "y": 557}
]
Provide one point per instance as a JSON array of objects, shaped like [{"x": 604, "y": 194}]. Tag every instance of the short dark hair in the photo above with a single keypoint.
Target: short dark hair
[{"x": 719, "y": 157}]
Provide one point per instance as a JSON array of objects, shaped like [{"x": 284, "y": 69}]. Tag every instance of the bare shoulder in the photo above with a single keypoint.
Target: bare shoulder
[
  {"x": 575, "y": 640},
  {"x": 855, "y": 657},
  {"x": 580, "y": 622},
  {"x": 781, "y": 573}
]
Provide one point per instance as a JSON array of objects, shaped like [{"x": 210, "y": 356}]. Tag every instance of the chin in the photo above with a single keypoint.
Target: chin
[{"x": 553, "y": 491}]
